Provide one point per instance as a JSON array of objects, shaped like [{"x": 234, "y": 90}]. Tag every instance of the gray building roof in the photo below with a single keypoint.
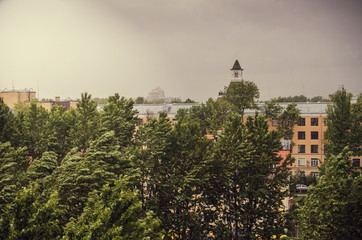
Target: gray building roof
[{"x": 144, "y": 110}]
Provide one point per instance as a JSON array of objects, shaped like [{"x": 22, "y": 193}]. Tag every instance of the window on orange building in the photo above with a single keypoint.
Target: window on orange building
[
  {"x": 314, "y": 121},
  {"x": 301, "y": 148},
  {"x": 356, "y": 162},
  {"x": 301, "y": 122},
  {"x": 314, "y": 162},
  {"x": 301, "y": 135},
  {"x": 314, "y": 135},
  {"x": 301, "y": 161},
  {"x": 314, "y": 148}
]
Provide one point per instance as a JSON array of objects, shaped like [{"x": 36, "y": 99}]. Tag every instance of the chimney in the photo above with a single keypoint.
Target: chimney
[{"x": 57, "y": 99}]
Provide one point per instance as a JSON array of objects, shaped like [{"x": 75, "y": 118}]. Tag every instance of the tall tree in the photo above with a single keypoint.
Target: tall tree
[
  {"x": 40, "y": 168},
  {"x": 272, "y": 109},
  {"x": 118, "y": 116},
  {"x": 332, "y": 208},
  {"x": 156, "y": 142},
  {"x": 340, "y": 121},
  {"x": 242, "y": 95},
  {"x": 287, "y": 120},
  {"x": 60, "y": 123},
  {"x": 81, "y": 173},
  {"x": 6, "y": 122},
  {"x": 13, "y": 165},
  {"x": 32, "y": 219},
  {"x": 86, "y": 125},
  {"x": 248, "y": 181},
  {"x": 171, "y": 163},
  {"x": 33, "y": 121},
  {"x": 356, "y": 127},
  {"x": 114, "y": 213}
]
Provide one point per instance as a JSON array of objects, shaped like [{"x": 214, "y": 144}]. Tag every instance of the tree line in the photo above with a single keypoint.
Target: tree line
[{"x": 90, "y": 174}]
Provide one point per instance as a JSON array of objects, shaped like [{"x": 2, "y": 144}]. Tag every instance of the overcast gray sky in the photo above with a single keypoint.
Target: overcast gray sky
[{"x": 186, "y": 47}]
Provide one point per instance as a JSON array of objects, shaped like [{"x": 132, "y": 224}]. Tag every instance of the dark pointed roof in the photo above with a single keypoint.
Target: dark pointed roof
[{"x": 236, "y": 66}]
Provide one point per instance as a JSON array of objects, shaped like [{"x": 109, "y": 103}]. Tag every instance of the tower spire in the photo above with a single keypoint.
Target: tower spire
[{"x": 236, "y": 72}]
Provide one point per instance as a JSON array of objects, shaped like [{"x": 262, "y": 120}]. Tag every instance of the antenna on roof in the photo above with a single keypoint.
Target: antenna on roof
[{"x": 13, "y": 86}]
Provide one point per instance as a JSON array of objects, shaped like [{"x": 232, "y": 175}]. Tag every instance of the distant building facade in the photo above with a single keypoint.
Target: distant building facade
[
  {"x": 67, "y": 103},
  {"x": 155, "y": 95},
  {"x": 13, "y": 97}
]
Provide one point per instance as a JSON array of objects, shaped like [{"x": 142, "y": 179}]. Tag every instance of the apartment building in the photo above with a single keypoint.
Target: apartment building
[{"x": 13, "y": 97}]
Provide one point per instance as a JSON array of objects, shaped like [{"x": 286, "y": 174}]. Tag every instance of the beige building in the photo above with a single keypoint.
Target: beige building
[
  {"x": 67, "y": 103},
  {"x": 11, "y": 98}
]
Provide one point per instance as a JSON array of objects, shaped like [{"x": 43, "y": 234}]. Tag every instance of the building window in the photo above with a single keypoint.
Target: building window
[
  {"x": 236, "y": 74},
  {"x": 314, "y": 162},
  {"x": 301, "y": 122},
  {"x": 314, "y": 121},
  {"x": 275, "y": 123},
  {"x": 287, "y": 144},
  {"x": 314, "y": 135},
  {"x": 301, "y": 161},
  {"x": 314, "y": 174},
  {"x": 301, "y": 135},
  {"x": 301, "y": 148},
  {"x": 356, "y": 162},
  {"x": 139, "y": 122},
  {"x": 314, "y": 148}
]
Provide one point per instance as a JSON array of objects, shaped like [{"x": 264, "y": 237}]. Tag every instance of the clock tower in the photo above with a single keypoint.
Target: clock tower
[{"x": 236, "y": 72}]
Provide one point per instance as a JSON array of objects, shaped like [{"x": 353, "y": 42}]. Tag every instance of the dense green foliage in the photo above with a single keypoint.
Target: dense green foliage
[
  {"x": 248, "y": 181},
  {"x": 332, "y": 207},
  {"x": 301, "y": 98},
  {"x": 89, "y": 173},
  {"x": 241, "y": 95}
]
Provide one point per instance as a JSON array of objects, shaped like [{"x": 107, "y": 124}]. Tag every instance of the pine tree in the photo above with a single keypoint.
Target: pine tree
[
  {"x": 40, "y": 168},
  {"x": 32, "y": 219},
  {"x": 58, "y": 130},
  {"x": 340, "y": 121},
  {"x": 13, "y": 165},
  {"x": 6, "y": 122},
  {"x": 86, "y": 127},
  {"x": 118, "y": 116},
  {"x": 332, "y": 208},
  {"x": 114, "y": 213},
  {"x": 32, "y": 134},
  {"x": 170, "y": 163}
]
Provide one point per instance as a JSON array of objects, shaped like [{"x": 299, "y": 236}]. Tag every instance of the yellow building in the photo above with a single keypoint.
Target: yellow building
[{"x": 13, "y": 97}]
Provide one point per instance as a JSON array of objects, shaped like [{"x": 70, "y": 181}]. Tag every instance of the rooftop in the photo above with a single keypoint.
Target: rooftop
[
  {"x": 236, "y": 66},
  {"x": 144, "y": 110}
]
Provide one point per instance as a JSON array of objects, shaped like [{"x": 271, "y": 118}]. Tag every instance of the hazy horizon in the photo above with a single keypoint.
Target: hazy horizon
[{"x": 186, "y": 47}]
